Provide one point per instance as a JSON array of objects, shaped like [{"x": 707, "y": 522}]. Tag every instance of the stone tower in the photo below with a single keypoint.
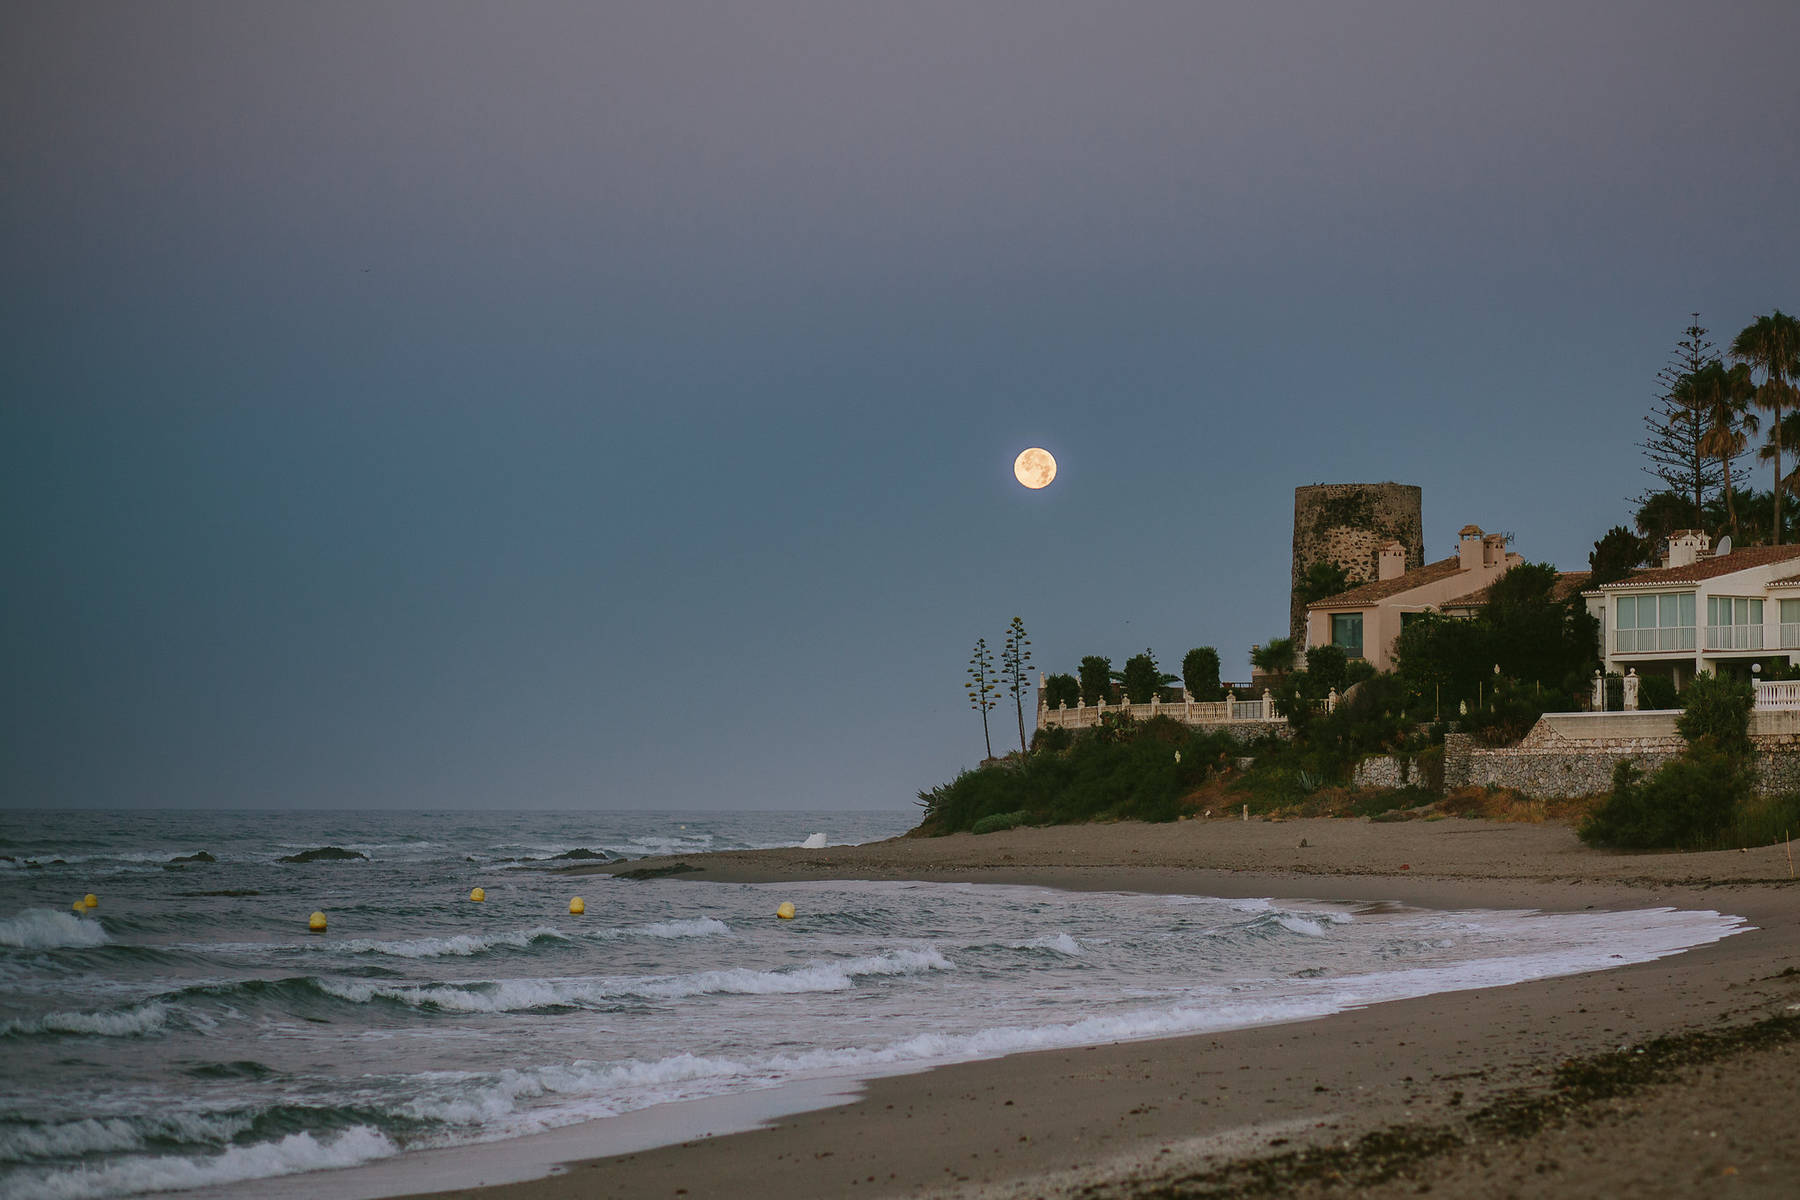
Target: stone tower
[{"x": 1348, "y": 524}]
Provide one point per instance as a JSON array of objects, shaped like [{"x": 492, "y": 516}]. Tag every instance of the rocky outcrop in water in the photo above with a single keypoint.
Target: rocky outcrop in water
[{"x": 322, "y": 854}]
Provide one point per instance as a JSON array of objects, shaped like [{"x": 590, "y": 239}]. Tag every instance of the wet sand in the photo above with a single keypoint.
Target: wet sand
[{"x": 1464, "y": 1094}]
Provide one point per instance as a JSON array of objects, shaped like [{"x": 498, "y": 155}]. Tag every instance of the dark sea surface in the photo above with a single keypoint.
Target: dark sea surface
[{"x": 190, "y": 1031}]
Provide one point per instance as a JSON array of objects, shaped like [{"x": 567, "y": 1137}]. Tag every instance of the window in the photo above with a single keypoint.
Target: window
[
  {"x": 1346, "y": 633},
  {"x": 1790, "y": 624},
  {"x": 1734, "y": 623},
  {"x": 1659, "y": 621}
]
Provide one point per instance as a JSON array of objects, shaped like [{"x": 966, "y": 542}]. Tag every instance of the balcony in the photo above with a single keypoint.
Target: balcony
[
  {"x": 1734, "y": 637},
  {"x": 1649, "y": 641}
]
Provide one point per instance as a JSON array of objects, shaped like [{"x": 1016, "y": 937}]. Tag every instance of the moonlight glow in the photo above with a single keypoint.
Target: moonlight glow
[{"x": 1034, "y": 468}]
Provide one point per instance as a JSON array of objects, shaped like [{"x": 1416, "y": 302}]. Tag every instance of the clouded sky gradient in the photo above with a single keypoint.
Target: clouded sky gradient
[{"x": 567, "y": 405}]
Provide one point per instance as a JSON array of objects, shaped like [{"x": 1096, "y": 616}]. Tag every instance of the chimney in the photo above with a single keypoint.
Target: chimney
[
  {"x": 1686, "y": 547},
  {"x": 1391, "y": 561},
  {"x": 1468, "y": 548},
  {"x": 1493, "y": 550}
]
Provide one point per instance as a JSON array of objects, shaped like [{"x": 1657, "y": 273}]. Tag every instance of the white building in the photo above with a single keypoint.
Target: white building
[{"x": 1700, "y": 610}]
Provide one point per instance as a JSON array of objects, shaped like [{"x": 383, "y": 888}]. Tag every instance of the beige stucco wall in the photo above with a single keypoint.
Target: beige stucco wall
[{"x": 1381, "y": 620}]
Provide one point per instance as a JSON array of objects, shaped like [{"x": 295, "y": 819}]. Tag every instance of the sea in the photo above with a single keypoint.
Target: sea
[{"x": 189, "y": 1031}]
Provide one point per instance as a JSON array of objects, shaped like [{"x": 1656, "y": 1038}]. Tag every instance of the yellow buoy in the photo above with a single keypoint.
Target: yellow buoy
[
  {"x": 577, "y": 906},
  {"x": 786, "y": 911},
  {"x": 91, "y": 900},
  {"x": 478, "y": 895},
  {"x": 316, "y": 922},
  {"x": 79, "y": 906}
]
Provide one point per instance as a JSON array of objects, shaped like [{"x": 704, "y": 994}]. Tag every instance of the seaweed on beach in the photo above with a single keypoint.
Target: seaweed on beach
[{"x": 1392, "y": 1152}]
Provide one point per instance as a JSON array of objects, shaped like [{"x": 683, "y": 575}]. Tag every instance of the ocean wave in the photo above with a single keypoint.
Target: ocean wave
[
  {"x": 47, "y": 929},
  {"x": 696, "y": 927},
  {"x": 136, "y": 1021},
  {"x": 157, "y": 1173},
  {"x": 1060, "y": 942},
  {"x": 461, "y": 945},
  {"x": 524, "y": 995},
  {"x": 26, "y": 1141}
]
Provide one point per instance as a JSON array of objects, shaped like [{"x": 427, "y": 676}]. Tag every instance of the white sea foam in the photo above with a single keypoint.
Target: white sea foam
[
  {"x": 519, "y": 995},
  {"x": 697, "y": 927},
  {"x": 113, "y": 1135},
  {"x": 158, "y": 1173},
  {"x": 815, "y": 842},
  {"x": 131, "y": 1022},
  {"x": 1060, "y": 942},
  {"x": 461, "y": 945},
  {"x": 47, "y": 929}
]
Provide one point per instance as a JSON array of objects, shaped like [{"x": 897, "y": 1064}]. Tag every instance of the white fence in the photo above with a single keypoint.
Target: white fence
[
  {"x": 1229, "y": 711},
  {"x": 1778, "y": 694}
]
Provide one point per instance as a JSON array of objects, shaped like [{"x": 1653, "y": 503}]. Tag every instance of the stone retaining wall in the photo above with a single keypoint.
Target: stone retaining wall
[
  {"x": 1547, "y": 765},
  {"x": 1381, "y": 771}
]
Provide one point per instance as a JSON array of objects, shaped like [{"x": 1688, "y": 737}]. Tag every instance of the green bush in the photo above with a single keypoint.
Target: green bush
[
  {"x": 1052, "y": 738},
  {"x": 1657, "y": 691},
  {"x": 1200, "y": 673},
  {"x": 1325, "y": 669},
  {"x": 998, "y": 822},
  {"x": 1717, "y": 707},
  {"x": 1137, "y": 770},
  {"x": 1763, "y": 821},
  {"x": 1061, "y": 689},
  {"x": 1687, "y": 805},
  {"x": 1141, "y": 677}
]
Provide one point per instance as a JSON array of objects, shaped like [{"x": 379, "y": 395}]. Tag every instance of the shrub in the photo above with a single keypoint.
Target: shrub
[
  {"x": 1200, "y": 673},
  {"x": 1141, "y": 677},
  {"x": 1512, "y": 709},
  {"x": 1657, "y": 691},
  {"x": 1142, "y": 770},
  {"x": 1763, "y": 821},
  {"x": 998, "y": 821},
  {"x": 1686, "y": 805},
  {"x": 1096, "y": 679},
  {"x": 1718, "y": 707},
  {"x": 1052, "y": 738},
  {"x": 1061, "y": 689},
  {"x": 1325, "y": 669}
]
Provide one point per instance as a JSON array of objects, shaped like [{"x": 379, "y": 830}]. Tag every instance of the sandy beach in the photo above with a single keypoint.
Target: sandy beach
[{"x": 1670, "y": 1078}]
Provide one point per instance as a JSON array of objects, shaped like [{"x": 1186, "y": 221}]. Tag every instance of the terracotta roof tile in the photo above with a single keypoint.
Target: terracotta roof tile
[
  {"x": 1368, "y": 593},
  {"x": 1706, "y": 568}
]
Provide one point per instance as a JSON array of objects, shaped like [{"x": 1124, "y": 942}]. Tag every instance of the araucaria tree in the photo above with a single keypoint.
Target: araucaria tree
[
  {"x": 1015, "y": 659},
  {"x": 983, "y": 687},
  {"x": 1771, "y": 345},
  {"x": 1675, "y": 429}
]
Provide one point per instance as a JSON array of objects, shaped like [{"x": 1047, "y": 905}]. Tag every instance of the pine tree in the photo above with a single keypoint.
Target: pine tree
[{"x": 1676, "y": 427}]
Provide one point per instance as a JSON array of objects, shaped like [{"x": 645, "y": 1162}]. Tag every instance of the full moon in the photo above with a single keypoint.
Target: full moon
[{"x": 1034, "y": 468}]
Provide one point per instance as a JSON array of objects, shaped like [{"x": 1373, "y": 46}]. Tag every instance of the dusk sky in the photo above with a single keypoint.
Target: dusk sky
[{"x": 529, "y": 405}]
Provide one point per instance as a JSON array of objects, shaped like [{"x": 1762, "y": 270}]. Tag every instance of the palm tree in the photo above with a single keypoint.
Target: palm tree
[
  {"x": 1722, "y": 397},
  {"x": 1771, "y": 344}
]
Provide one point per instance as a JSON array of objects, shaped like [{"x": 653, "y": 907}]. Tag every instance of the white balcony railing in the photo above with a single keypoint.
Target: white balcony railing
[
  {"x": 1734, "y": 637},
  {"x": 1778, "y": 694},
  {"x": 1790, "y": 636},
  {"x": 1639, "y": 641}
]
